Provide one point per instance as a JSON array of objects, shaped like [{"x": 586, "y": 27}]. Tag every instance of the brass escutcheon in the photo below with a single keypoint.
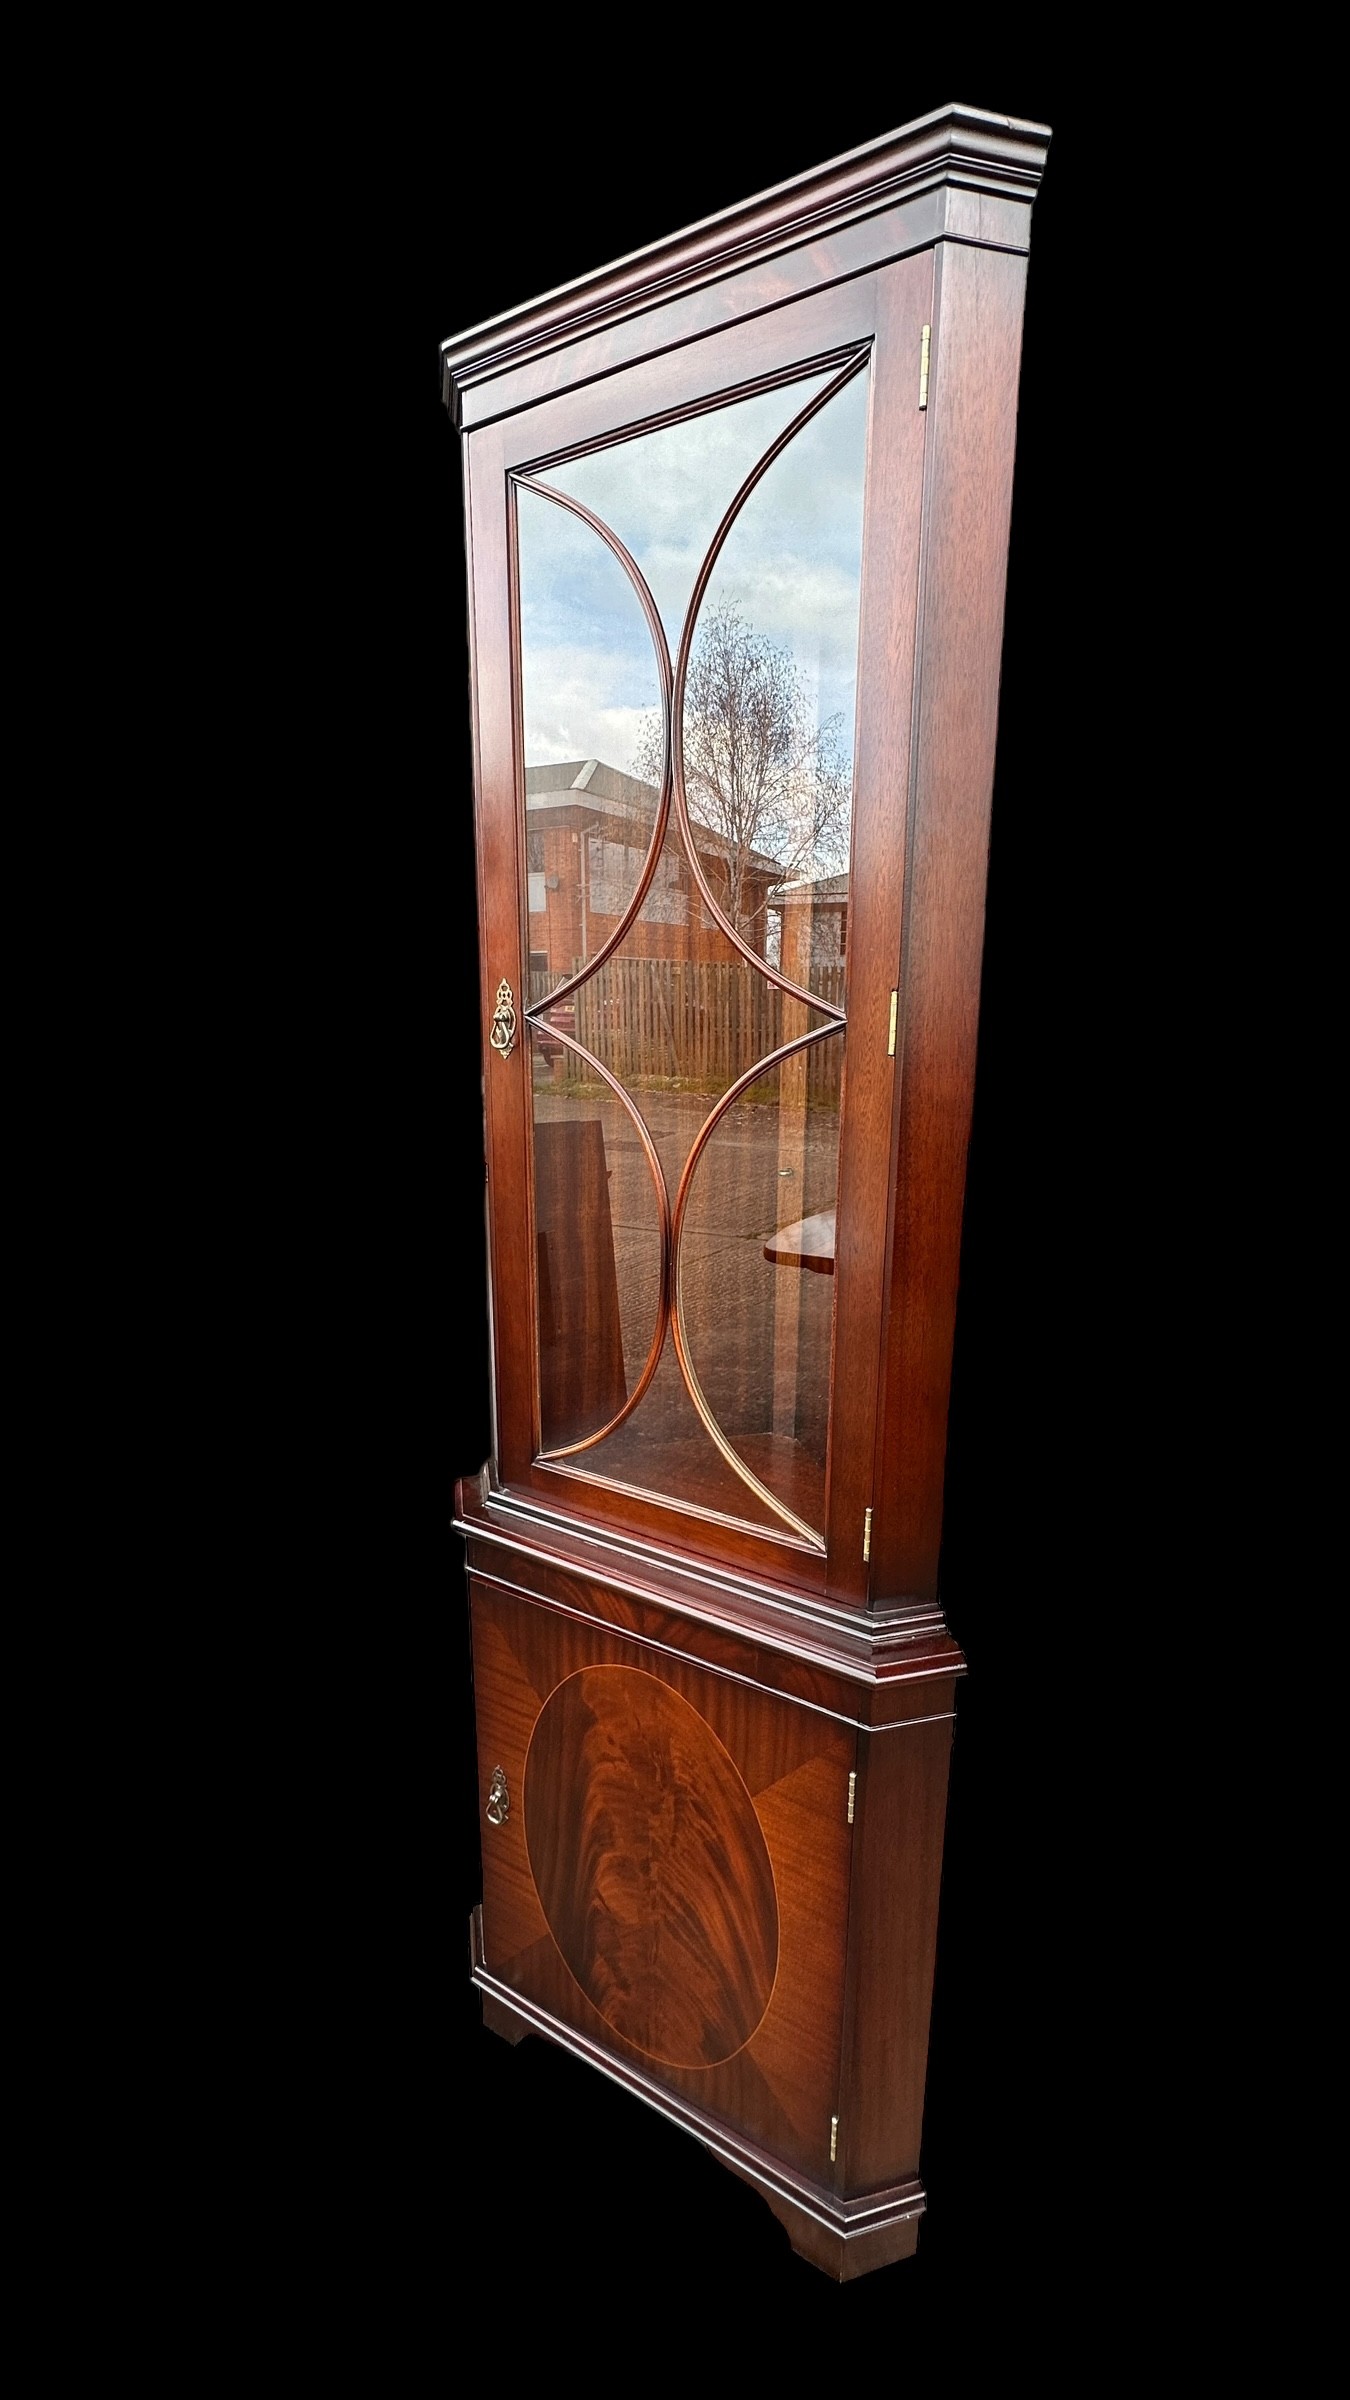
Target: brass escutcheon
[
  {"x": 498, "y": 1799},
  {"x": 503, "y": 1034}
]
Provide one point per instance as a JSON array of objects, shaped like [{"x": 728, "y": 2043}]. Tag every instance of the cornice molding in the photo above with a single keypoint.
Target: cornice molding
[{"x": 963, "y": 148}]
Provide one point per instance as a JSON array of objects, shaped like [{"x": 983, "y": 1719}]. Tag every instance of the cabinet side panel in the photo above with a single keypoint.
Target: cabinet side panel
[
  {"x": 897, "y": 1869},
  {"x": 972, "y": 406}
]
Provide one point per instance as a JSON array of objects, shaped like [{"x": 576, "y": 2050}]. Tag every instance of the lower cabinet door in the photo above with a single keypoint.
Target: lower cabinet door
[{"x": 666, "y": 1867}]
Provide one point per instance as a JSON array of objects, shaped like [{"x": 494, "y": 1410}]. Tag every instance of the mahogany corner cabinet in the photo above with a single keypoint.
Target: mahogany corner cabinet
[{"x": 737, "y": 515}]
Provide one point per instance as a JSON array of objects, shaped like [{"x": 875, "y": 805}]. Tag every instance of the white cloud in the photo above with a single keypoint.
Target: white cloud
[
  {"x": 790, "y": 564},
  {"x": 568, "y": 711}
]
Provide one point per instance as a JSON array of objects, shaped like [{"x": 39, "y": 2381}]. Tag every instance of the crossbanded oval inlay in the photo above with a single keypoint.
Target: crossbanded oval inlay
[{"x": 651, "y": 1867}]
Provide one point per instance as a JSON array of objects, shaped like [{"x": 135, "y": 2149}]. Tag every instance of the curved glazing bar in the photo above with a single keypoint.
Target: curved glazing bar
[
  {"x": 663, "y": 1453},
  {"x": 680, "y": 1328},
  {"x": 752, "y": 758},
  {"x": 594, "y": 1254},
  {"x": 757, "y": 1258},
  {"x": 677, "y": 1013},
  {"x": 593, "y": 833},
  {"x": 663, "y": 487}
]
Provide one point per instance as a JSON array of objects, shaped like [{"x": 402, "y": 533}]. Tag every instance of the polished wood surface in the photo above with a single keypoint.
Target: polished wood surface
[
  {"x": 808, "y": 1244},
  {"x": 972, "y": 412},
  {"x": 789, "y": 1763},
  {"x": 955, "y": 154},
  {"x": 907, "y": 229},
  {"x": 581, "y": 1370},
  {"x": 897, "y": 1866},
  {"x": 845, "y": 2236},
  {"x": 846, "y": 2255},
  {"x": 503, "y": 2021},
  {"x": 650, "y": 1866},
  {"x": 864, "y": 1671},
  {"x": 883, "y": 766}
]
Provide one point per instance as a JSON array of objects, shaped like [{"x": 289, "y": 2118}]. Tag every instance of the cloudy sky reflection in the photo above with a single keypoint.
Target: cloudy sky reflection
[{"x": 790, "y": 565}]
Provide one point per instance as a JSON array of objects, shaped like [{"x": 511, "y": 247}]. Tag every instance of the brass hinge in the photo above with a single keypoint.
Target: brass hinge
[
  {"x": 852, "y": 1793},
  {"x": 834, "y": 2139},
  {"x": 890, "y": 1038},
  {"x": 923, "y": 367},
  {"x": 867, "y": 1535}
]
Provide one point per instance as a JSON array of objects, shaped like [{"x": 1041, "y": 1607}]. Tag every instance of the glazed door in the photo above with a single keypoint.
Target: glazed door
[{"x": 695, "y": 592}]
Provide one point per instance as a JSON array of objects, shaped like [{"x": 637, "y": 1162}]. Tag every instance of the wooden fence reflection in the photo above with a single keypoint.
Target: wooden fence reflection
[{"x": 700, "y": 1022}]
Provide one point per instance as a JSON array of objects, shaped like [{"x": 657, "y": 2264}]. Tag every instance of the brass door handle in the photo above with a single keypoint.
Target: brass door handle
[
  {"x": 498, "y": 1799},
  {"x": 503, "y": 1034}
]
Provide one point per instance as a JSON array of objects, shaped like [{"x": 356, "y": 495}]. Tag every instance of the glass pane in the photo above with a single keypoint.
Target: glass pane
[
  {"x": 666, "y": 493},
  {"x": 664, "y": 1449},
  {"x": 598, "y": 1238},
  {"x": 591, "y": 692},
  {"x": 756, "y": 1267},
  {"x": 768, "y": 717},
  {"x": 675, "y": 1012}
]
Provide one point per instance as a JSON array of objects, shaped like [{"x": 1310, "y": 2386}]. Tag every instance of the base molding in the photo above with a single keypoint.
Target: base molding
[
  {"x": 503, "y": 2021},
  {"x": 842, "y": 2256},
  {"x": 843, "y": 2237}
]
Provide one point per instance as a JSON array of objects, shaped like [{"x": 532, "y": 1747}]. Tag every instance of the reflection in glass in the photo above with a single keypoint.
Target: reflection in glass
[
  {"x": 676, "y": 1013},
  {"x": 767, "y": 715},
  {"x": 756, "y": 1271},
  {"x": 664, "y": 1450},
  {"x": 665, "y": 493},
  {"x": 598, "y": 1241},
  {"x": 591, "y": 690}
]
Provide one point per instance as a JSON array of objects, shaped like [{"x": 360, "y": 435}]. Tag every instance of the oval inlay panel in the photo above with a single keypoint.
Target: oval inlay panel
[{"x": 650, "y": 1866}]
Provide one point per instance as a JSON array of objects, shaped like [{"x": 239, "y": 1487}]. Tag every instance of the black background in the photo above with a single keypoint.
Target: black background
[{"x": 450, "y": 2163}]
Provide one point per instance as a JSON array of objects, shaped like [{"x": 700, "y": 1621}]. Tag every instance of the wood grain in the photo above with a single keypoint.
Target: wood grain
[
  {"x": 844, "y": 2257},
  {"x": 844, "y": 2236},
  {"x": 581, "y": 1370},
  {"x": 1000, "y": 159},
  {"x": 506, "y": 1705},
  {"x": 805, "y": 1821},
  {"x": 650, "y": 1866},
  {"x": 972, "y": 409},
  {"x": 861, "y": 1670},
  {"x": 882, "y": 757},
  {"x": 897, "y": 1868},
  {"x": 503, "y": 2021},
  {"x": 502, "y": 948},
  {"x": 740, "y": 308},
  {"x": 696, "y": 1784}
]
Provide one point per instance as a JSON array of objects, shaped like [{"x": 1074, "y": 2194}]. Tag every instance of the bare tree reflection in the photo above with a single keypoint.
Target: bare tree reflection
[{"x": 759, "y": 771}]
